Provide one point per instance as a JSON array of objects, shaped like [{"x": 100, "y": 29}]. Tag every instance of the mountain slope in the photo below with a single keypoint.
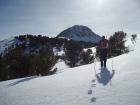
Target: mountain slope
[
  {"x": 7, "y": 43},
  {"x": 79, "y": 33},
  {"x": 117, "y": 85}
]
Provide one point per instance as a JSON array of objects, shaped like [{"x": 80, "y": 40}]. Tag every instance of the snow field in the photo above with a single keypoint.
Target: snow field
[{"x": 118, "y": 84}]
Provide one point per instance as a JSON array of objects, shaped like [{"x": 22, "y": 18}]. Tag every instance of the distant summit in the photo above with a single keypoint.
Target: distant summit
[{"x": 80, "y": 33}]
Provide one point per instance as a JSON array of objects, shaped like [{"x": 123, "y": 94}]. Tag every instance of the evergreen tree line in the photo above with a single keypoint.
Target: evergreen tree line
[
  {"x": 14, "y": 63},
  {"x": 34, "y": 56},
  {"x": 75, "y": 56},
  {"x": 17, "y": 63},
  {"x": 55, "y": 42}
]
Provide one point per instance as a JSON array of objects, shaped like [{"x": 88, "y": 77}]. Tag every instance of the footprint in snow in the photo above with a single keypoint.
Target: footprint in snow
[
  {"x": 93, "y": 80},
  {"x": 93, "y": 99},
  {"x": 93, "y": 85},
  {"x": 90, "y": 92}
]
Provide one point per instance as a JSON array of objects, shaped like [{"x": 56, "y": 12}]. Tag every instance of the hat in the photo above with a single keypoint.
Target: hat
[{"x": 103, "y": 37}]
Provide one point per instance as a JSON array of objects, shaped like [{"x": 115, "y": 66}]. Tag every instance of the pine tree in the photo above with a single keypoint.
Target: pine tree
[
  {"x": 4, "y": 72},
  {"x": 89, "y": 51},
  {"x": 73, "y": 52},
  {"x": 47, "y": 59},
  {"x": 117, "y": 43},
  {"x": 87, "y": 58},
  {"x": 14, "y": 57}
]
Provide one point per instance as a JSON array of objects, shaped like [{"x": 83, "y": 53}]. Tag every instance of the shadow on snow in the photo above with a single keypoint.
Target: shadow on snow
[
  {"x": 22, "y": 80},
  {"x": 105, "y": 76}
]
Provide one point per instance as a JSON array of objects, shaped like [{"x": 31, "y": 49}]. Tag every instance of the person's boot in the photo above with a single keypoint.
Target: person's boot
[{"x": 105, "y": 64}]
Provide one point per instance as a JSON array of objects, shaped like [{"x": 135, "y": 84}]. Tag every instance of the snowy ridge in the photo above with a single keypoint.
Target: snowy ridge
[
  {"x": 7, "y": 43},
  {"x": 12, "y": 41},
  {"x": 80, "y": 33},
  {"x": 118, "y": 84}
]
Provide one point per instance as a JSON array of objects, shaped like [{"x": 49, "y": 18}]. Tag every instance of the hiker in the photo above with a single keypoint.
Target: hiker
[{"x": 102, "y": 48}]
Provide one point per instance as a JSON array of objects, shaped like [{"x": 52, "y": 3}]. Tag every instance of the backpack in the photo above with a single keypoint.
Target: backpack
[{"x": 104, "y": 44}]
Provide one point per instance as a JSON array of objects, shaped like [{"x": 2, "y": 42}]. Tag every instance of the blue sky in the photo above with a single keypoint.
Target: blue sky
[{"x": 50, "y": 17}]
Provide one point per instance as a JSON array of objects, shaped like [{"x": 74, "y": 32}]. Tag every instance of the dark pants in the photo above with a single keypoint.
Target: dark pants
[{"x": 103, "y": 58}]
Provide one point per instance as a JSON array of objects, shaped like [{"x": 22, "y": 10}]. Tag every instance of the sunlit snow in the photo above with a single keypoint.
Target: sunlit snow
[{"x": 118, "y": 84}]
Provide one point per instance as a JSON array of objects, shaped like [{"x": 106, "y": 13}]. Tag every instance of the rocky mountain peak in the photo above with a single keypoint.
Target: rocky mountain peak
[{"x": 79, "y": 32}]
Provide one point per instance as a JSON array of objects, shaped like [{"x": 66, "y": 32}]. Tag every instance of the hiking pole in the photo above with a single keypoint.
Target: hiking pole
[
  {"x": 112, "y": 59},
  {"x": 112, "y": 63},
  {"x": 95, "y": 64}
]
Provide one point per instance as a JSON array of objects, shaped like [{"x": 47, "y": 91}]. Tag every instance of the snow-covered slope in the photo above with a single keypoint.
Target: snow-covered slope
[
  {"x": 80, "y": 33},
  {"x": 118, "y": 84},
  {"x": 12, "y": 41},
  {"x": 7, "y": 43}
]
